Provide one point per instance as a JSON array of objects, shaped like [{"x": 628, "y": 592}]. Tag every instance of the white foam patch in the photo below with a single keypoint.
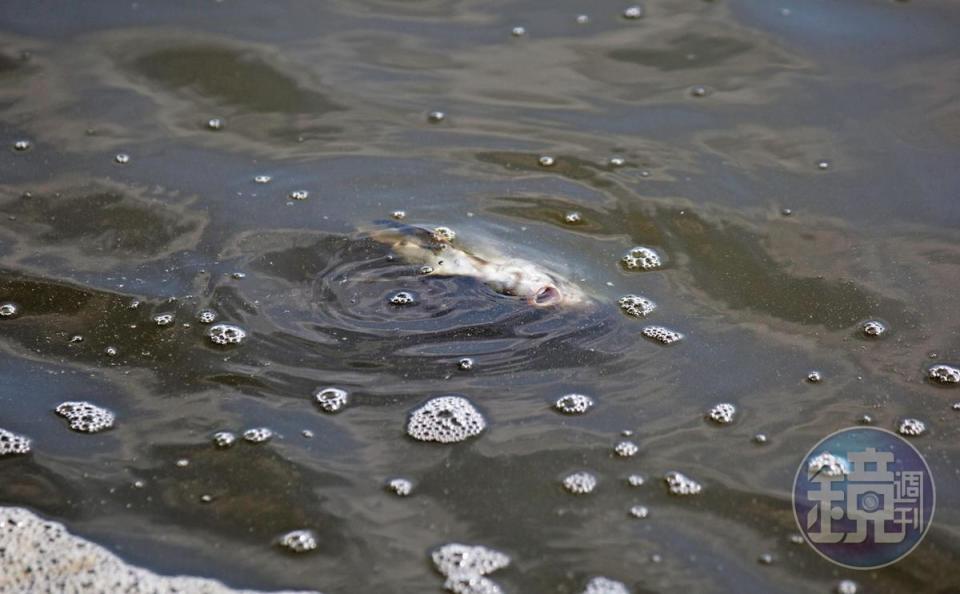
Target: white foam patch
[
  {"x": 41, "y": 556},
  {"x": 446, "y": 419}
]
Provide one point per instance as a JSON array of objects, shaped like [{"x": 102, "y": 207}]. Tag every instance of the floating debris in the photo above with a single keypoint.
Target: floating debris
[
  {"x": 944, "y": 374},
  {"x": 722, "y": 413},
  {"x": 331, "y": 400},
  {"x": 224, "y": 439},
  {"x": 580, "y": 483},
  {"x": 446, "y": 419},
  {"x": 626, "y": 449},
  {"x": 911, "y": 427},
  {"x": 641, "y": 258},
  {"x": 828, "y": 464},
  {"x": 602, "y": 585},
  {"x": 85, "y": 417},
  {"x": 298, "y": 541},
  {"x": 661, "y": 334},
  {"x": 636, "y": 306},
  {"x": 400, "y": 486},
  {"x": 224, "y": 334},
  {"x": 258, "y": 435},
  {"x": 680, "y": 484},
  {"x": 573, "y": 404},
  {"x": 13, "y": 443},
  {"x": 873, "y": 328}
]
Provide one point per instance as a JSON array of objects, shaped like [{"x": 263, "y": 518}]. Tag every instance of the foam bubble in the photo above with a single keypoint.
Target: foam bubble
[
  {"x": 22, "y": 145},
  {"x": 639, "y": 511},
  {"x": 602, "y": 585},
  {"x": 636, "y": 480},
  {"x": 207, "y": 316},
  {"x": 911, "y": 427},
  {"x": 574, "y": 404},
  {"x": 400, "y": 486},
  {"x": 8, "y": 310},
  {"x": 457, "y": 560},
  {"x": 636, "y": 306},
  {"x": 814, "y": 377},
  {"x": 263, "y": 179},
  {"x": 435, "y": 117},
  {"x": 546, "y": 161},
  {"x": 331, "y": 400},
  {"x": 626, "y": 449},
  {"x": 722, "y": 413},
  {"x": 633, "y": 12},
  {"x": 847, "y": 587},
  {"x": 874, "y": 328},
  {"x": 583, "y": 19},
  {"x": 163, "y": 319},
  {"x": 680, "y": 484},
  {"x": 299, "y": 195},
  {"x": 580, "y": 483},
  {"x": 224, "y": 439},
  {"x": 298, "y": 541},
  {"x": 617, "y": 161},
  {"x": 641, "y": 258},
  {"x": 944, "y": 374},
  {"x": 518, "y": 31},
  {"x": 215, "y": 124},
  {"x": 828, "y": 464},
  {"x": 41, "y": 556},
  {"x": 258, "y": 435},
  {"x": 403, "y": 298},
  {"x": 573, "y": 218},
  {"x": 445, "y": 419},
  {"x": 765, "y": 559},
  {"x": 224, "y": 334},
  {"x": 13, "y": 443},
  {"x": 122, "y": 158},
  {"x": 85, "y": 417},
  {"x": 398, "y": 215},
  {"x": 661, "y": 334},
  {"x": 465, "y": 364}
]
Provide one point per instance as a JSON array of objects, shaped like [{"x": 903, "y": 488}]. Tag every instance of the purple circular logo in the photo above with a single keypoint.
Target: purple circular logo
[{"x": 863, "y": 497}]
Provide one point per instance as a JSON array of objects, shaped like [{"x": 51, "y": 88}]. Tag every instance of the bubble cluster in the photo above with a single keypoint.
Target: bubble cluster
[
  {"x": 602, "y": 585},
  {"x": 573, "y": 404},
  {"x": 444, "y": 234},
  {"x": 258, "y": 435},
  {"x": 445, "y": 419},
  {"x": 873, "y": 328},
  {"x": 626, "y": 449},
  {"x": 911, "y": 427},
  {"x": 400, "y": 486},
  {"x": 465, "y": 568},
  {"x": 163, "y": 319},
  {"x": 639, "y": 511},
  {"x": 403, "y": 298},
  {"x": 633, "y": 12},
  {"x": 641, "y": 258},
  {"x": 580, "y": 483},
  {"x": 224, "y": 439},
  {"x": 680, "y": 484},
  {"x": 207, "y": 316},
  {"x": 299, "y": 195},
  {"x": 298, "y": 541},
  {"x": 944, "y": 374},
  {"x": 546, "y": 161},
  {"x": 85, "y": 417},
  {"x": 13, "y": 443},
  {"x": 722, "y": 413},
  {"x": 8, "y": 310},
  {"x": 331, "y": 400},
  {"x": 661, "y": 334},
  {"x": 224, "y": 334},
  {"x": 636, "y": 306},
  {"x": 828, "y": 464}
]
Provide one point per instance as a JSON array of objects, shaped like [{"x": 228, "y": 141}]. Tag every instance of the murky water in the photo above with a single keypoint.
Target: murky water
[{"x": 794, "y": 164}]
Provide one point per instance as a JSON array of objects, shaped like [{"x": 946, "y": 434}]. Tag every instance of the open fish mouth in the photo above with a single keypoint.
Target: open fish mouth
[{"x": 547, "y": 296}]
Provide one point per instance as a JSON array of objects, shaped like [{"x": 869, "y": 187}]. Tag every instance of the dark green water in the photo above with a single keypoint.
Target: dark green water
[{"x": 333, "y": 98}]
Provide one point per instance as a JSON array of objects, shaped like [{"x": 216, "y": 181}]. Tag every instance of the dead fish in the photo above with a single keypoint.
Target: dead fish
[{"x": 437, "y": 252}]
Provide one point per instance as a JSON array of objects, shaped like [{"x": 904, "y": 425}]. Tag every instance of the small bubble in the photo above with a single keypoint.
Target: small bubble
[
  {"x": 138, "y": 484},
  {"x": 633, "y": 12},
  {"x": 626, "y": 449},
  {"x": 76, "y": 339},
  {"x": 403, "y": 298},
  {"x": 760, "y": 438},
  {"x": 573, "y": 218},
  {"x": 331, "y": 400},
  {"x": 797, "y": 539},
  {"x": 574, "y": 404},
  {"x": 465, "y": 364},
  {"x": 435, "y": 117},
  {"x": 823, "y": 165},
  {"x": 873, "y": 328},
  {"x": 224, "y": 439},
  {"x": 400, "y": 486},
  {"x": 582, "y": 19},
  {"x": 911, "y": 427},
  {"x": 722, "y": 413},
  {"x": 8, "y": 310},
  {"x": 639, "y": 511},
  {"x": 765, "y": 559},
  {"x": 786, "y": 212},
  {"x": 215, "y": 124},
  {"x": 298, "y": 541},
  {"x": 700, "y": 91},
  {"x": 942, "y": 374},
  {"x": 814, "y": 377},
  {"x": 258, "y": 435},
  {"x": 580, "y": 483},
  {"x": 85, "y": 417},
  {"x": 299, "y": 194},
  {"x": 22, "y": 145},
  {"x": 865, "y": 419},
  {"x": 110, "y": 351},
  {"x": 183, "y": 462},
  {"x": 398, "y": 215},
  {"x": 636, "y": 306},
  {"x": 847, "y": 587},
  {"x": 207, "y": 316},
  {"x": 263, "y": 179},
  {"x": 206, "y": 498},
  {"x": 425, "y": 270},
  {"x": 518, "y": 31},
  {"x": 122, "y": 158},
  {"x": 680, "y": 484},
  {"x": 636, "y": 480},
  {"x": 546, "y": 161},
  {"x": 224, "y": 334},
  {"x": 617, "y": 161},
  {"x": 163, "y": 319}
]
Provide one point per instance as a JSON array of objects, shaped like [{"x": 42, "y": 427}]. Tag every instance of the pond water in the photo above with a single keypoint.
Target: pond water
[{"x": 794, "y": 164}]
